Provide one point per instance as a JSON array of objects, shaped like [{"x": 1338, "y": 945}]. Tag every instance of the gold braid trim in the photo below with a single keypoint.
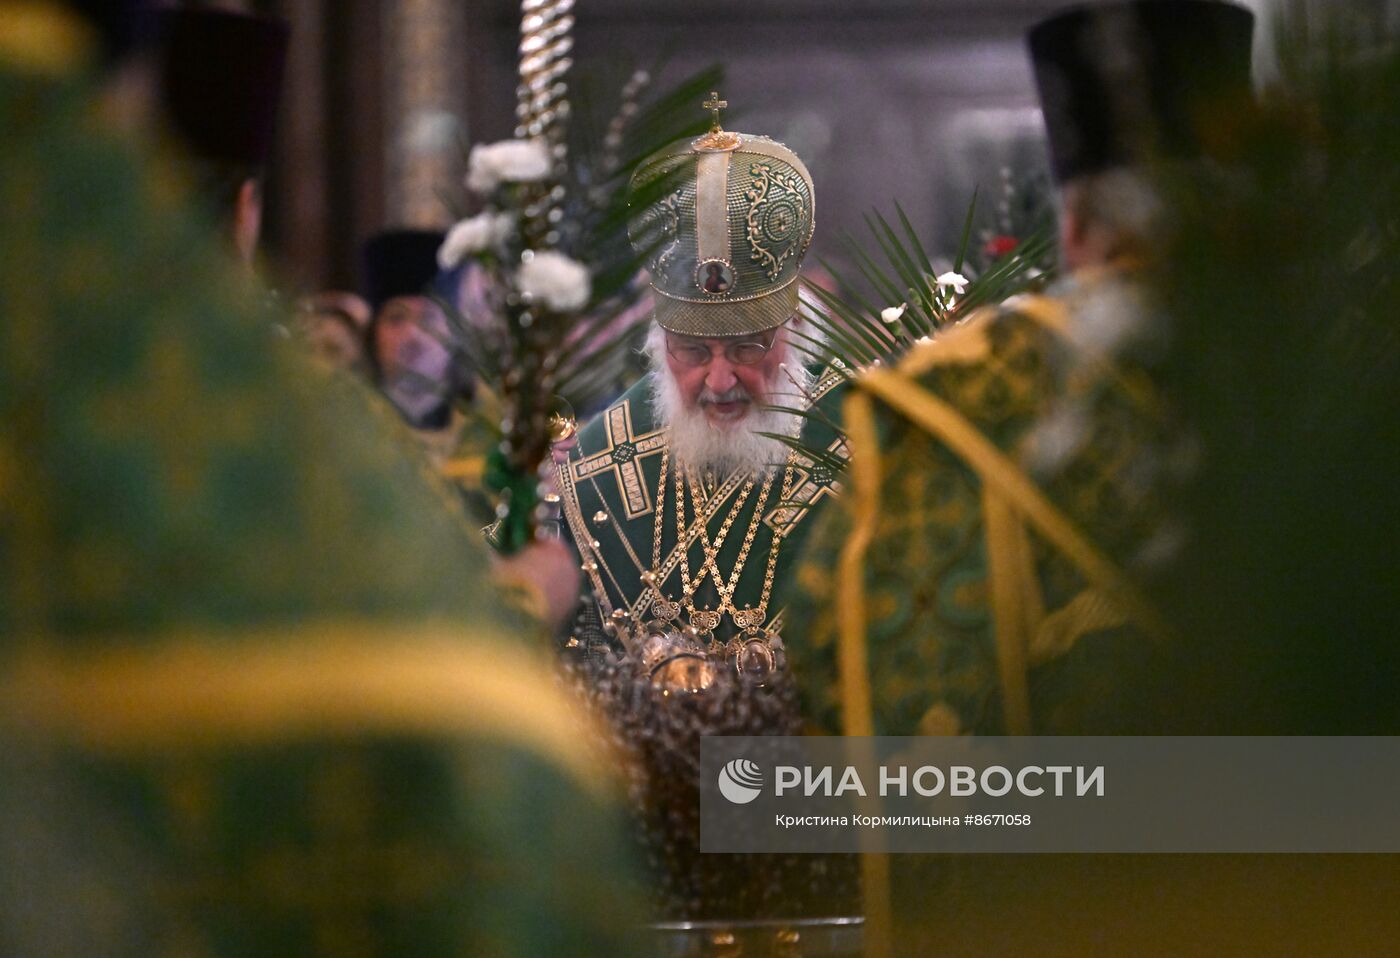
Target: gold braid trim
[
  {"x": 1050, "y": 313},
  {"x": 1089, "y": 611},
  {"x": 853, "y": 662},
  {"x": 1007, "y": 548},
  {"x": 583, "y": 538},
  {"x": 964, "y": 342},
  {"x": 207, "y": 690}
]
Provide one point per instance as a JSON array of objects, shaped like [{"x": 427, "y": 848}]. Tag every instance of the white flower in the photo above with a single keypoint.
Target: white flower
[
  {"x": 482, "y": 231},
  {"x": 891, "y": 316},
  {"x": 509, "y": 161},
  {"x": 956, "y": 280},
  {"x": 561, "y": 283}
]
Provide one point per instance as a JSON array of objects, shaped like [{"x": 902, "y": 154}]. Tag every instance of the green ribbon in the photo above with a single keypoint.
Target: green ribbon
[{"x": 517, "y": 490}]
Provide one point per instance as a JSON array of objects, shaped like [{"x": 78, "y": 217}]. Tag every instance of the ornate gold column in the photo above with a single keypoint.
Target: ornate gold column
[{"x": 424, "y": 75}]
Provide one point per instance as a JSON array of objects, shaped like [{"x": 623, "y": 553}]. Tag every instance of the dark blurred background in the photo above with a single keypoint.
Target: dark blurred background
[{"x": 915, "y": 100}]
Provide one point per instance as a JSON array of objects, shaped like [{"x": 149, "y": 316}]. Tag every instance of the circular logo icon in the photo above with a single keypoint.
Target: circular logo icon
[
  {"x": 740, "y": 781},
  {"x": 714, "y": 276}
]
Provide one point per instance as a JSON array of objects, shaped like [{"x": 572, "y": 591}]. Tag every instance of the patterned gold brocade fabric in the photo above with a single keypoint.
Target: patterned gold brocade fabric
[{"x": 1015, "y": 481}]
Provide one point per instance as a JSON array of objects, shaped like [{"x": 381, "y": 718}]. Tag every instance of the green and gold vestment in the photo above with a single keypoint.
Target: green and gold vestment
[
  {"x": 621, "y": 490},
  {"x": 1006, "y": 485},
  {"x": 723, "y": 222}
]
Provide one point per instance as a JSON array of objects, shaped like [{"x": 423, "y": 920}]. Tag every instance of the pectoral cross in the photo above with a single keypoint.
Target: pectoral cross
[{"x": 714, "y": 104}]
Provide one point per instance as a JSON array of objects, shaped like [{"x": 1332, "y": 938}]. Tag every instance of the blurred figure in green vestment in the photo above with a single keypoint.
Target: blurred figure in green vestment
[{"x": 254, "y": 697}]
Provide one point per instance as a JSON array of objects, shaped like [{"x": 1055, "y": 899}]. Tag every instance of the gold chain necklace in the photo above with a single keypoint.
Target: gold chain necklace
[
  {"x": 712, "y": 554},
  {"x": 755, "y": 653},
  {"x": 665, "y": 609},
  {"x": 748, "y": 619},
  {"x": 704, "y": 620},
  {"x": 751, "y": 618},
  {"x": 663, "y": 606}
]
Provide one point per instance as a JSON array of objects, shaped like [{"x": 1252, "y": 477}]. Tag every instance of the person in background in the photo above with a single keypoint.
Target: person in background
[
  {"x": 1017, "y": 477},
  {"x": 995, "y": 620},
  {"x": 415, "y": 362},
  {"x": 412, "y": 355},
  {"x": 219, "y": 76},
  {"x": 334, "y": 325},
  {"x": 1007, "y": 502},
  {"x": 255, "y": 697},
  {"x": 350, "y": 305}
]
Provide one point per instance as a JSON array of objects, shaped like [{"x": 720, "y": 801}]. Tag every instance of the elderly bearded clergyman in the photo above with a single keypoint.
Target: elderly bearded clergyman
[{"x": 685, "y": 509}]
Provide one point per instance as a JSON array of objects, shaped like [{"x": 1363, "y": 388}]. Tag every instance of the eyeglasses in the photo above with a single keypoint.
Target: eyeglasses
[{"x": 689, "y": 351}]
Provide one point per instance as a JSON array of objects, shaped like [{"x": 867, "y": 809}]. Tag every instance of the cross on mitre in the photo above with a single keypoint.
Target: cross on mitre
[{"x": 714, "y": 104}]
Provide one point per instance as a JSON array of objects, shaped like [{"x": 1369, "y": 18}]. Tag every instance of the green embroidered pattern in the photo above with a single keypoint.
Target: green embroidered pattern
[{"x": 777, "y": 217}]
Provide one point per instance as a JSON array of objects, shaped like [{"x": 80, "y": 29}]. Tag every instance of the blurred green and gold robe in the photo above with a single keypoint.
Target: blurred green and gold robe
[
  {"x": 256, "y": 696},
  {"x": 1004, "y": 480}
]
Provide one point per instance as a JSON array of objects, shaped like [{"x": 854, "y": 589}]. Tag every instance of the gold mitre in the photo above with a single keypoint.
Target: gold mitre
[{"x": 724, "y": 221}]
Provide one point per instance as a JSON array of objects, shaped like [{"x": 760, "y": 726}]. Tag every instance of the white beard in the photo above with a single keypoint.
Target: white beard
[{"x": 700, "y": 445}]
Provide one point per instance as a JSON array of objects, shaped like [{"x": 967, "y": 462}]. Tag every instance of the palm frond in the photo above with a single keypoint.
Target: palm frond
[
  {"x": 895, "y": 267},
  {"x": 811, "y": 414},
  {"x": 820, "y": 457},
  {"x": 966, "y": 237}
]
